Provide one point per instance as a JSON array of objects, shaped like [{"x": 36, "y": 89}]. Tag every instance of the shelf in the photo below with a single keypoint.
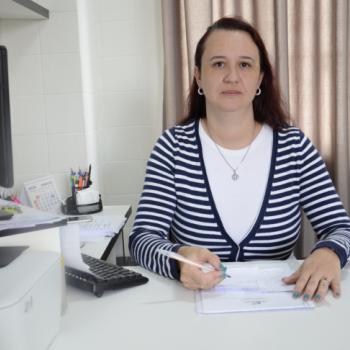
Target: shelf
[{"x": 22, "y": 9}]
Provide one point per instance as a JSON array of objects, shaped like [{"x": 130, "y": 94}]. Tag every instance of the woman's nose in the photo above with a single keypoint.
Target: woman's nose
[{"x": 232, "y": 75}]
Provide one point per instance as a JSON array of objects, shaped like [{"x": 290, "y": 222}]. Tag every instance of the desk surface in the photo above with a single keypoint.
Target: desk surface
[{"x": 161, "y": 315}]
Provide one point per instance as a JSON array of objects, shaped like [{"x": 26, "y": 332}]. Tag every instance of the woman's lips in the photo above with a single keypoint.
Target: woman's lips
[{"x": 231, "y": 92}]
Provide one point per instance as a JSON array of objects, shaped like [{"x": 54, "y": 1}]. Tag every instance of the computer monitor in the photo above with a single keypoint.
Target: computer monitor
[{"x": 6, "y": 162}]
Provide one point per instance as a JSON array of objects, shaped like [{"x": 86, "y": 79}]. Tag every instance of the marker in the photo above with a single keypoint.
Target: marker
[
  {"x": 204, "y": 268},
  {"x": 80, "y": 182}
]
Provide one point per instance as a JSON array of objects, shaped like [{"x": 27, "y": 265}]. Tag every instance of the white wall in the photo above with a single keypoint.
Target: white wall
[
  {"x": 78, "y": 98},
  {"x": 123, "y": 53},
  {"x": 45, "y": 95}
]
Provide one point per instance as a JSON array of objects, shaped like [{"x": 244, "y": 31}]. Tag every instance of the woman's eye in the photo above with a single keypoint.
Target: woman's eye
[
  {"x": 219, "y": 64},
  {"x": 245, "y": 64}
]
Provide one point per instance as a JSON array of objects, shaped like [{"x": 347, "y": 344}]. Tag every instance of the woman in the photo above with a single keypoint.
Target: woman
[{"x": 230, "y": 182}]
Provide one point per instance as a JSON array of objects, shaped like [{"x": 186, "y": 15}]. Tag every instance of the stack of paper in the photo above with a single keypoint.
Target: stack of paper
[
  {"x": 27, "y": 218},
  {"x": 253, "y": 286},
  {"x": 101, "y": 226}
]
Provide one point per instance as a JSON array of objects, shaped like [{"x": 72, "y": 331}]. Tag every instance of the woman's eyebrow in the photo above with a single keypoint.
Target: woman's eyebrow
[
  {"x": 247, "y": 58},
  {"x": 224, "y": 57},
  {"x": 217, "y": 57}
]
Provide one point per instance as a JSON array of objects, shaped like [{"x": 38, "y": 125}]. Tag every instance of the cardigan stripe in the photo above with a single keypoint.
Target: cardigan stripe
[{"x": 177, "y": 207}]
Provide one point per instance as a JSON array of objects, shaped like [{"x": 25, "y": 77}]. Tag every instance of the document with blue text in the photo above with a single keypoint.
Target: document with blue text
[{"x": 253, "y": 286}]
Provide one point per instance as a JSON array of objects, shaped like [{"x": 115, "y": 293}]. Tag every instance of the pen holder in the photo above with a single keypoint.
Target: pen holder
[{"x": 72, "y": 208}]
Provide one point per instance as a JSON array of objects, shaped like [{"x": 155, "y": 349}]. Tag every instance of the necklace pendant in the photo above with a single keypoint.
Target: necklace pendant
[{"x": 235, "y": 176}]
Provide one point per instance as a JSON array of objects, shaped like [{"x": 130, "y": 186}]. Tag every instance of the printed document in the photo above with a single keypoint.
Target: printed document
[
  {"x": 101, "y": 226},
  {"x": 253, "y": 286}
]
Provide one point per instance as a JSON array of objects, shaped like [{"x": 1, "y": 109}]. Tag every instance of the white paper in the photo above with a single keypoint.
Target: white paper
[
  {"x": 241, "y": 301},
  {"x": 254, "y": 278},
  {"x": 70, "y": 247},
  {"x": 252, "y": 287},
  {"x": 103, "y": 225},
  {"x": 29, "y": 217}
]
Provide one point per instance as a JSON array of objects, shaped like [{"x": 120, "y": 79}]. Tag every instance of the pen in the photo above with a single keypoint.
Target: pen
[
  {"x": 204, "y": 268},
  {"x": 88, "y": 177}
]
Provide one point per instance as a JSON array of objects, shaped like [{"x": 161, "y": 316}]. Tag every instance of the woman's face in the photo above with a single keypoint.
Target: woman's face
[{"x": 230, "y": 72}]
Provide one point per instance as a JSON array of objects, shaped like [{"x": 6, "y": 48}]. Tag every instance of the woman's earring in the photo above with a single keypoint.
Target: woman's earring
[
  {"x": 200, "y": 91},
  {"x": 258, "y": 92}
]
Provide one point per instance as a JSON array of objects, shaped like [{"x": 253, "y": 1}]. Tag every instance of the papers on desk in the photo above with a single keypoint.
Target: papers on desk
[
  {"x": 101, "y": 226},
  {"x": 253, "y": 286},
  {"x": 27, "y": 218}
]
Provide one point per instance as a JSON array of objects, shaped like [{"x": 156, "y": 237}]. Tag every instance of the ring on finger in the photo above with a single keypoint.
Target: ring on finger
[{"x": 324, "y": 280}]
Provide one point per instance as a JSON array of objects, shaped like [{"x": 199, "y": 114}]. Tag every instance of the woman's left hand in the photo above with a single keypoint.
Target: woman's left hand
[{"x": 318, "y": 273}]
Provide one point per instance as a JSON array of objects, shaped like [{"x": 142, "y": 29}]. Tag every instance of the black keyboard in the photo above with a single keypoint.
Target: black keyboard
[
  {"x": 105, "y": 276},
  {"x": 126, "y": 261}
]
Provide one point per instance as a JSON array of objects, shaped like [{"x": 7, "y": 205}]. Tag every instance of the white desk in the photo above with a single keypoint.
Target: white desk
[{"x": 161, "y": 315}]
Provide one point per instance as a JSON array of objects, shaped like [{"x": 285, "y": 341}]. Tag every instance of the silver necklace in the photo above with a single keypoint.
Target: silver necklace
[{"x": 234, "y": 175}]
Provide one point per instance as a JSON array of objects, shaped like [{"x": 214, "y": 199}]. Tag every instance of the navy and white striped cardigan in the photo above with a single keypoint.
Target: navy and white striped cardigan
[{"x": 177, "y": 207}]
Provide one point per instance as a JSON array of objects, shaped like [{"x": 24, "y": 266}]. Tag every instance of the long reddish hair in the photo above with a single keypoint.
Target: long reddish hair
[{"x": 268, "y": 107}]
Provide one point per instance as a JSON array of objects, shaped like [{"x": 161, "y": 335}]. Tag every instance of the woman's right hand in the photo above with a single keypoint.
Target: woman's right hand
[{"x": 193, "y": 277}]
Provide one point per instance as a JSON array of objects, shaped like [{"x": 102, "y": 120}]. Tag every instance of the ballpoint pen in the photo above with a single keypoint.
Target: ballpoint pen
[{"x": 204, "y": 268}]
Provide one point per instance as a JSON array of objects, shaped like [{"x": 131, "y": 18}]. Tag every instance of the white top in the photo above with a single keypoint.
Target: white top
[{"x": 238, "y": 202}]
